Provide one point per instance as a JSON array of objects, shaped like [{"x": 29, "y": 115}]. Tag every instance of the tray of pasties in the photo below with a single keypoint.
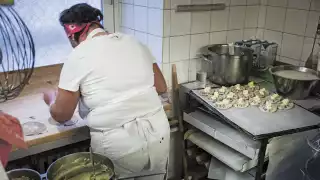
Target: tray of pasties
[{"x": 253, "y": 117}]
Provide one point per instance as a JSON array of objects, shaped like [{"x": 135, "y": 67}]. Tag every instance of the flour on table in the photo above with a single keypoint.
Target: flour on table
[{"x": 33, "y": 128}]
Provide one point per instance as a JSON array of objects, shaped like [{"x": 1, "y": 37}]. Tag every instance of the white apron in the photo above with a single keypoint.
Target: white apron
[
  {"x": 3, "y": 174},
  {"x": 137, "y": 147}
]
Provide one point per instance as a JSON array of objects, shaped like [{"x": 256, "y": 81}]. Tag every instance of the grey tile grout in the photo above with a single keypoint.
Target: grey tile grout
[
  {"x": 244, "y": 21},
  {"x": 190, "y": 41},
  {"x": 291, "y": 58},
  {"x": 283, "y": 29},
  {"x": 170, "y": 34},
  {"x": 292, "y": 8},
  {"x": 189, "y": 34},
  {"x": 198, "y": 58},
  {"x": 288, "y": 33},
  {"x": 263, "y": 28}
]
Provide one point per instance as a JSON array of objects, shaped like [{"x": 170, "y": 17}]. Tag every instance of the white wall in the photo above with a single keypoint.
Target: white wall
[
  {"x": 174, "y": 38},
  {"x": 292, "y": 24},
  {"x": 144, "y": 20},
  {"x": 187, "y": 32},
  {"x": 42, "y": 18}
]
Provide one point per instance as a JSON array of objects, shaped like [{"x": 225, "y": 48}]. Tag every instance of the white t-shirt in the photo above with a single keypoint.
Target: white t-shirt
[{"x": 115, "y": 76}]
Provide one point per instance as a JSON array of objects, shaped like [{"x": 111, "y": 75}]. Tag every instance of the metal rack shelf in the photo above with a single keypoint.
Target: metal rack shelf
[{"x": 223, "y": 133}]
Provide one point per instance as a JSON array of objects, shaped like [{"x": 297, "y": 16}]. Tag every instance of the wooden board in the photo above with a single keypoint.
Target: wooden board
[
  {"x": 33, "y": 108},
  {"x": 29, "y": 106}
]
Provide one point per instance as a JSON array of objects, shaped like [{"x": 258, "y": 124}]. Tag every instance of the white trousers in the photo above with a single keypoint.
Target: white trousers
[{"x": 139, "y": 147}]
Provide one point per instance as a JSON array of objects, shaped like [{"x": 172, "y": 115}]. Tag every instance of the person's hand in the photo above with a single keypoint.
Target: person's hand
[
  {"x": 49, "y": 96},
  {"x": 10, "y": 134},
  {"x": 8, "y": 119}
]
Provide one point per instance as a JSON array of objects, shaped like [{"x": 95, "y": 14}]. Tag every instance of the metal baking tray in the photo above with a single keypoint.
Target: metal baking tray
[{"x": 261, "y": 124}]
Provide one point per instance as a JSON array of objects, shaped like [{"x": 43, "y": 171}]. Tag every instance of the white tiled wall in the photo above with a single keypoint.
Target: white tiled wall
[
  {"x": 292, "y": 24},
  {"x": 191, "y": 31},
  {"x": 175, "y": 38},
  {"x": 144, "y": 20}
]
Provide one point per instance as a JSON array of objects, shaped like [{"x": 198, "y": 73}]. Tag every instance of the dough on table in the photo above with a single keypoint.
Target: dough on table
[
  {"x": 71, "y": 122},
  {"x": 286, "y": 104},
  {"x": 241, "y": 103},
  {"x": 33, "y": 128},
  {"x": 216, "y": 97},
  {"x": 275, "y": 98},
  {"x": 232, "y": 96},
  {"x": 252, "y": 86},
  {"x": 224, "y": 104},
  {"x": 262, "y": 93},
  {"x": 245, "y": 94},
  {"x": 223, "y": 90},
  {"x": 206, "y": 91},
  {"x": 268, "y": 106},
  {"x": 255, "y": 101},
  {"x": 237, "y": 88}
]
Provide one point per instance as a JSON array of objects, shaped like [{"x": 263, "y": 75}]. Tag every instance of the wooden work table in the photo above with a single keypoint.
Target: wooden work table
[{"x": 32, "y": 108}]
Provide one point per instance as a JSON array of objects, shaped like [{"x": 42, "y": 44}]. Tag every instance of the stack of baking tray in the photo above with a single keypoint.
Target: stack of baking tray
[
  {"x": 258, "y": 124},
  {"x": 232, "y": 136},
  {"x": 235, "y": 149}
]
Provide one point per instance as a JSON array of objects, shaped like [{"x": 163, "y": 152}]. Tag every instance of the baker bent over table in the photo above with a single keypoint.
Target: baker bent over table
[{"x": 115, "y": 79}]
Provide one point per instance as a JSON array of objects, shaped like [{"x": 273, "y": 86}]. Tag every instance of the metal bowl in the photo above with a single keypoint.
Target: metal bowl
[
  {"x": 71, "y": 165},
  {"x": 19, "y": 173},
  {"x": 293, "y": 88}
]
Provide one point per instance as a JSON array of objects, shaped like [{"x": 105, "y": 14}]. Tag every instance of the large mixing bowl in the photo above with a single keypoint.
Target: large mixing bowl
[
  {"x": 27, "y": 173},
  {"x": 293, "y": 88},
  {"x": 70, "y": 166}
]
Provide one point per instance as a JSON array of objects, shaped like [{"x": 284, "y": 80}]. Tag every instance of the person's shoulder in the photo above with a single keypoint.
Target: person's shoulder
[
  {"x": 124, "y": 37},
  {"x": 120, "y": 35},
  {"x": 76, "y": 56},
  {"x": 82, "y": 50}
]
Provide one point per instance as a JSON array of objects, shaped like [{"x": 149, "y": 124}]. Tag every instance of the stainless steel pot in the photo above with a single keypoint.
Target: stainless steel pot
[
  {"x": 73, "y": 164},
  {"x": 19, "y": 173},
  {"x": 290, "y": 87},
  {"x": 230, "y": 64}
]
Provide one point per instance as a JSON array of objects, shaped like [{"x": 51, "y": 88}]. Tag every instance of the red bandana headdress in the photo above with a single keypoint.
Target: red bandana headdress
[{"x": 73, "y": 28}]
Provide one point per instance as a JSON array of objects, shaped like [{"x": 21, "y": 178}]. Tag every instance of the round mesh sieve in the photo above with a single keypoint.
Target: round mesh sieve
[{"x": 17, "y": 54}]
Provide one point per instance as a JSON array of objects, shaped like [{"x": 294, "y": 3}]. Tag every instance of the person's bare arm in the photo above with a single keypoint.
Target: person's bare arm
[
  {"x": 159, "y": 81},
  {"x": 63, "y": 108}
]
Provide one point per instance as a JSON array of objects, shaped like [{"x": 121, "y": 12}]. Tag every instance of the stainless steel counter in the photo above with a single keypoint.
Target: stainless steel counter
[{"x": 239, "y": 129}]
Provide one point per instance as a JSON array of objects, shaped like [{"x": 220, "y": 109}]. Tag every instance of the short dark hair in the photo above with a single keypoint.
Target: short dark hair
[{"x": 80, "y": 13}]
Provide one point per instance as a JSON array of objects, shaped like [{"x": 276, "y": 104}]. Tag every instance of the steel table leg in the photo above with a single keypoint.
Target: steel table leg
[{"x": 262, "y": 153}]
